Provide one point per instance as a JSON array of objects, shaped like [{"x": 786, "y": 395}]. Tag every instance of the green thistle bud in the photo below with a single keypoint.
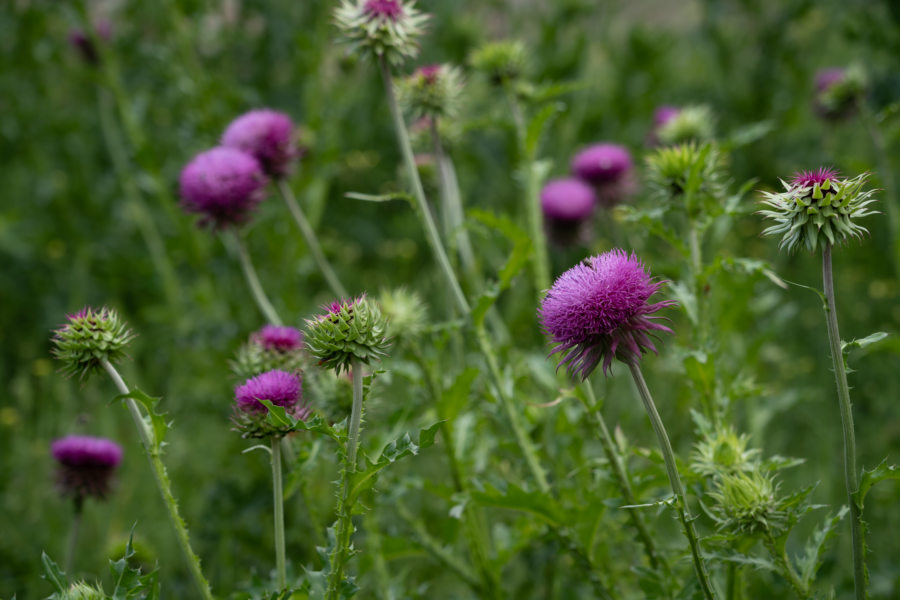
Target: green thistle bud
[
  {"x": 503, "y": 62},
  {"x": 82, "y": 591},
  {"x": 381, "y": 28},
  {"x": 746, "y": 503},
  {"x": 405, "y": 312},
  {"x": 90, "y": 337},
  {"x": 350, "y": 329},
  {"x": 818, "y": 207},
  {"x": 431, "y": 91},
  {"x": 690, "y": 124},
  {"x": 688, "y": 173},
  {"x": 723, "y": 451}
]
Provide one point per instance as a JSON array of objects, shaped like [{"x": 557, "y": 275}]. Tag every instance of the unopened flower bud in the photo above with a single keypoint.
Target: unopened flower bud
[
  {"x": 503, "y": 62},
  {"x": 432, "y": 91},
  {"x": 89, "y": 338},
  {"x": 746, "y": 503},
  {"x": 689, "y": 124},
  {"x": 405, "y": 312},
  {"x": 349, "y": 329}
]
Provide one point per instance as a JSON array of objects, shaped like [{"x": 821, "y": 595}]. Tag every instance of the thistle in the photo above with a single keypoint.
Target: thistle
[
  {"x": 691, "y": 175},
  {"x": 86, "y": 465},
  {"x": 278, "y": 387},
  {"x": 746, "y": 503},
  {"x": 431, "y": 91},
  {"x": 688, "y": 124},
  {"x": 268, "y": 136},
  {"x": 598, "y": 310},
  {"x": 568, "y": 205},
  {"x": 608, "y": 168},
  {"x": 723, "y": 452},
  {"x": 838, "y": 91},
  {"x": 350, "y": 329},
  {"x": 818, "y": 208},
  {"x": 405, "y": 312},
  {"x": 503, "y": 62},
  {"x": 81, "y": 590},
  {"x": 89, "y": 338},
  {"x": 272, "y": 347},
  {"x": 386, "y": 29},
  {"x": 84, "y": 44}
]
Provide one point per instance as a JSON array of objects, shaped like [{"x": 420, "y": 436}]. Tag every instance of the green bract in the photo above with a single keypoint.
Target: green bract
[
  {"x": 502, "y": 62},
  {"x": 252, "y": 358},
  {"x": 82, "y": 591},
  {"x": 90, "y": 337},
  {"x": 383, "y": 28},
  {"x": 689, "y": 174},
  {"x": 692, "y": 123},
  {"x": 723, "y": 451},
  {"x": 350, "y": 329},
  {"x": 746, "y": 503},
  {"x": 813, "y": 215},
  {"x": 432, "y": 91}
]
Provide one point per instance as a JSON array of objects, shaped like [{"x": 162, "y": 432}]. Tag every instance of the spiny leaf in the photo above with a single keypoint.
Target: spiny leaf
[
  {"x": 456, "y": 396},
  {"x": 536, "y": 126},
  {"x": 815, "y": 548},
  {"x": 869, "y": 478},
  {"x": 404, "y": 446},
  {"x": 158, "y": 422},
  {"x": 53, "y": 574},
  {"x": 518, "y": 258},
  {"x": 279, "y": 418},
  {"x": 846, "y": 347},
  {"x": 515, "y": 498}
]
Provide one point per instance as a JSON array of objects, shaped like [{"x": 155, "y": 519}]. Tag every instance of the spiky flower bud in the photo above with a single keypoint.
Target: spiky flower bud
[
  {"x": 278, "y": 387},
  {"x": 503, "y": 62},
  {"x": 838, "y": 91},
  {"x": 405, "y": 312},
  {"x": 268, "y": 136},
  {"x": 223, "y": 185},
  {"x": 272, "y": 347},
  {"x": 598, "y": 310},
  {"x": 81, "y": 591},
  {"x": 431, "y": 91},
  {"x": 568, "y": 205},
  {"x": 723, "y": 451},
  {"x": 818, "y": 207},
  {"x": 90, "y": 337},
  {"x": 746, "y": 503},
  {"x": 86, "y": 465},
  {"x": 689, "y": 124},
  {"x": 349, "y": 329},
  {"x": 381, "y": 28},
  {"x": 672, "y": 171}
]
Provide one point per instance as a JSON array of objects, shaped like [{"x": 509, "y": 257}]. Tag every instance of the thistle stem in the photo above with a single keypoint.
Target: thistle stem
[
  {"x": 74, "y": 530},
  {"x": 256, "y": 289},
  {"x": 681, "y": 505},
  {"x": 312, "y": 241},
  {"x": 620, "y": 473},
  {"x": 152, "y": 449},
  {"x": 345, "y": 508},
  {"x": 278, "y": 497},
  {"x": 784, "y": 563},
  {"x": 850, "y": 477},
  {"x": 434, "y": 239}
]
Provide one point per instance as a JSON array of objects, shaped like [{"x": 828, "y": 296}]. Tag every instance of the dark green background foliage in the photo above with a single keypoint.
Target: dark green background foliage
[{"x": 78, "y": 164}]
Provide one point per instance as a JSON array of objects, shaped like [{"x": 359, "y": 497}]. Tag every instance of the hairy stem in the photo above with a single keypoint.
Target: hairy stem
[
  {"x": 278, "y": 498},
  {"x": 620, "y": 474},
  {"x": 779, "y": 555},
  {"x": 256, "y": 289},
  {"x": 152, "y": 449},
  {"x": 860, "y": 575},
  {"x": 681, "y": 505},
  {"x": 312, "y": 241}
]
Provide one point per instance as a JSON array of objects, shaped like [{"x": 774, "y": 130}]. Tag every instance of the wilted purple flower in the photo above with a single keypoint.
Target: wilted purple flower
[
  {"x": 224, "y": 185},
  {"x": 608, "y": 167},
  {"x": 266, "y": 134},
  {"x": 85, "y": 46},
  {"x": 86, "y": 464},
  {"x": 281, "y": 339},
  {"x": 278, "y": 387},
  {"x": 567, "y": 205},
  {"x": 598, "y": 310}
]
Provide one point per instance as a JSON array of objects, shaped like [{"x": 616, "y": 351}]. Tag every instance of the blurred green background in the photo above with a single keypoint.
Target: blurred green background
[{"x": 89, "y": 172}]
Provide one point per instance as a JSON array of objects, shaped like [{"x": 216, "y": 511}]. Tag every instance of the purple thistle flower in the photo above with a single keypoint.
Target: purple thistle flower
[
  {"x": 280, "y": 339},
  {"x": 86, "y": 465},
  {"x": 664, "y": 114},
  {"x": 384, "y": 9},
  {"x": 567, "y": 200},
  {"x": 224, "y": 185},
  {"x": 826, "y": 78},
  {"x": 267, "y": 135},
  {"x": 602, "y": 163},
  {"x": 598, "y": 310},
  {"x": 803, "y": 179},
  {"x": 278, "y": 387}
]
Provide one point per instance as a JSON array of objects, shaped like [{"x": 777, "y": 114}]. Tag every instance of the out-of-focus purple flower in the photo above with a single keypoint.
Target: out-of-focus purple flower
[
  {"x": 828, "y": 77},
  {"x": 86, "y": 465},
  {"x": 838, "y": 90},
  {"x": 266, "y": 134},
  {"x": 82, "y": 42},
  {"x": 281, "y": 339},
  {"x": 607, "y": 167},
  {"x": 278, "y": 387},
  {"x": 568, "y": 205},
  {"x": 664, "y": 114},
  {"x": 223, "y": 185},
  {"x": 598, "y": 310}
]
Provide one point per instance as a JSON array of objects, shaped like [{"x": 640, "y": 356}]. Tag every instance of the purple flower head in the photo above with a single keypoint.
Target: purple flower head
[
  {"x": 602, "y": 163},
  {"x": 278, "y": 387},
  {"x": 85, "y": 46},
  {"x": 384, "y": 9},
  {"x": 598, "y": 310},
  {"x": 803, "y": 179},
  {"x": 223, "y": 185},
  {"x": 567, "y": 200},
  {"x": 429, "y": 73},
  {"x": 664, "y": 114},
  {"x": 86, "y": 464},
  {"x": 826, "y": 78},
  {"x": 280, "y": 339},
  {"x": 267, "y": 135}
]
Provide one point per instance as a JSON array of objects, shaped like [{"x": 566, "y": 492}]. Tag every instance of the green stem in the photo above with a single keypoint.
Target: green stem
[
  {"x": 345, "y": 508},
  {"x": 152, "y": 449},
  {"x": 256, "y": 289},
  {"x": 278, "y": 498},
  {"x": 312, "y": 241},
  {"x": 434, "y": 239},
  {"x": 733, "y": 583},
  {"x": 74, "y": 530},
  {"x": 541, "y": 262},
  {"x": 860, "y": 575},
  {"x": 620, "y": 474},
  {"x": 681, "y": 505},
  {"x": 779, "y": 555},
  {"x": 701, "y": 332}
]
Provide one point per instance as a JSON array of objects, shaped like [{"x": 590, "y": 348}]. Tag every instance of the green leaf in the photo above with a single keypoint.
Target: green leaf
[
  {"x": 748, "y": 134},
  {"x": 379, "y": 197},
  {"x": 870, "y": 478},
  {"x": 686, "y": 300},
  {"x": 513, "y": 497},
  {"x": 537, "y": 124},
  {"x": 53, "y": 574},
  {"x": 455, "y": 398},
  {"x": 743, "y": 559},
  {"x": 158, "y": 424},
  {"x": 752, "y": 266},
  {"x": 404, "y": 446},
  {"x": 815, "y": 548},
  {"x": 316, "y": 424},
  {"x": 517, "y": 260},
  {"x": 846, "y": 347}
]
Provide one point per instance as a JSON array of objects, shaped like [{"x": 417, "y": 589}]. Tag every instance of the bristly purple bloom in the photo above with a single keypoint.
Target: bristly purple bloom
[
  {"x": 602, "y": 163},
  {"x": 384, "y": 9},
  {"x": 567, "y": 200},
  {"x": 268, "y": 136},
  {"x": 281, "y": 339},
  {"x": 598, "y": 310},
  {"x": 278, "y": 387},
  {"x": 224, "y": 185},
  {"x": 810, "y": 178},
  {"x": 86, "y": 465}
]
